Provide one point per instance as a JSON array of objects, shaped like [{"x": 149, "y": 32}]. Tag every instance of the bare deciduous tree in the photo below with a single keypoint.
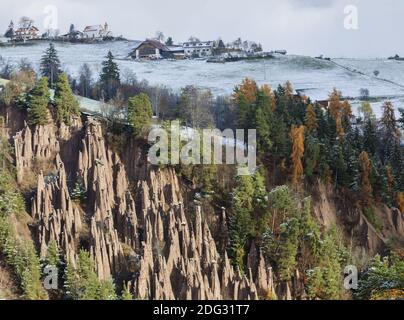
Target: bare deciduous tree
[
  {"x": 196, "y": 107},
  {"x": 26, "y": 22},
  {"x": 160, "y": 36}
]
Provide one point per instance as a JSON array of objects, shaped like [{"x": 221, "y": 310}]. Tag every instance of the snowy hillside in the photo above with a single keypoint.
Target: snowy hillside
[{"x": 315, "y": 78}]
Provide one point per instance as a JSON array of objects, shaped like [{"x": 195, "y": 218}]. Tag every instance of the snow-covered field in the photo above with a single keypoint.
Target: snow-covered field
[{"x": 316, "y": 78}]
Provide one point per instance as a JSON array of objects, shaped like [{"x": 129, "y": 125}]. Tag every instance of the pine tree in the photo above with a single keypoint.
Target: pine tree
[
  {"x": 110, "y": 77},
  {"x": 22, "y": 258},
  {"x": 31, "y": 275},
  {"x": 82, "y": 283},
  {"x": 106, "y": 290},
  {"x": 390, "y": 135},
  {"x": 289, "y": 234},
  {"x": 389, "y": 123},
  {"x": 78, "y": 193},
  {"x": 244, "y": 97},
  {"x": 401, "y": 119},
  {"x": 382, "y": 279},
  {"x": 390, "y": 180},
  {"x": 310, "y": 233},
  {"x": 88, "y": 278},
  {"x": 340, "y": 165},
  {"x": 10, "y": 31},
  {"x": 280, "y": 139},
  {"x": 72, "y": 29},
  {"x": 240, "y": 221},
  {"x": 66, "y": 104},
  {"x": 297, "y": 138},
  {"x": 282, "y": 238},
  {"x": 333, "y": 269},
  {"x": 53, "y": 254},
  {"x": 366, "y": 187},
  {"x": 50, "y": 65},
  {"x": 140, "y": 113},
  {"x": 250, "y": 215},
  {"x": 126, "y": 295},
  {"x": 261, "y": 214},
  {"x": 38, "y": 113},
  {"x": 312, "y": 156},
  {"x": 71, "y": 282},
  {"x": 264, "y": 119},
  {"x": 370, "y": 137},
  {"x": 325, "y": 281},
  {"x": 169, "y": 41}
]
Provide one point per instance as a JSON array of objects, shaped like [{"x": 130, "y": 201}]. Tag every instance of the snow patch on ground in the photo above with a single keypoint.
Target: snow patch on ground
[{"x": 313, "y": 77}]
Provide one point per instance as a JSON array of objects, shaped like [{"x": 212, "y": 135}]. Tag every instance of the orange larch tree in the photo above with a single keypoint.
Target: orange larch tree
[
  {"x": 400, "y": 201},
  {"x": 248, "y": 90},
  {"x": 338, "y": 111},
  {"x": 297, "y": 138},
  {"x": 347, "y": 109}
]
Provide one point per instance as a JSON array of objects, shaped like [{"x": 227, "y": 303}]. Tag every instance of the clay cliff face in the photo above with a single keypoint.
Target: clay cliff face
[
  {"x": 361, "y": 234},
  {"x": 136, "y": 220}
]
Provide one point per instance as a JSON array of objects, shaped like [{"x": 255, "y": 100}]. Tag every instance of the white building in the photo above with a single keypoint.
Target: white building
[
  {"x": 96, "y": 32},
  {"x": 198, "y": 49},
  {"x": 27, "y": 33}
]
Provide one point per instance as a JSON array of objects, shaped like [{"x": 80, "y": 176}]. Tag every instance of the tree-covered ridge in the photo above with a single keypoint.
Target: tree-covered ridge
[
  {"x": 310, "y": 141},
  {"x": 299, "y": 143},
  {"x": 283, "y": 226}
]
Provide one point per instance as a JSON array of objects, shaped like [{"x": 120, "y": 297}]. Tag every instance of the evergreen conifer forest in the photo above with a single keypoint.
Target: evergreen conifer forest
[{"x": 85, "y": 213}]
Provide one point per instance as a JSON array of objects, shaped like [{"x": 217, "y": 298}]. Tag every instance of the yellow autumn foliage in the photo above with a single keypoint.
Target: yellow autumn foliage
[
  {"x": 248, "y": 89},
  {"x": 297, "y": 138},
  {"x": 400, "y": 201}
]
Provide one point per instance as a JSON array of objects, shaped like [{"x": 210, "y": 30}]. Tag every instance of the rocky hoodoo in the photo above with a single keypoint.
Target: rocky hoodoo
[
  {"x": 137, "y": 222},
  {"x": 58, "y": 219},
  {"x": 30, "y": 146},
  {"x": 137, "y": 229}
]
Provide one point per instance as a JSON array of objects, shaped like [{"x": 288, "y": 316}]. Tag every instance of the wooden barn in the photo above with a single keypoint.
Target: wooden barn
[{"x": 153, "y": 49}]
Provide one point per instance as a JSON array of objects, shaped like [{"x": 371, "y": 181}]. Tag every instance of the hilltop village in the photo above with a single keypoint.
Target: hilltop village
[
  {"x": 153, "y": 48},
  {"x": 26, "y": 30}
]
